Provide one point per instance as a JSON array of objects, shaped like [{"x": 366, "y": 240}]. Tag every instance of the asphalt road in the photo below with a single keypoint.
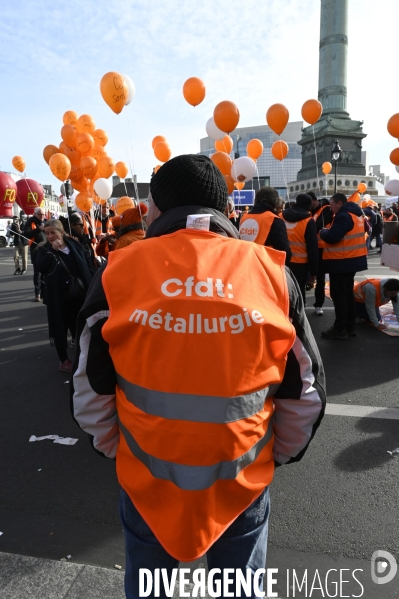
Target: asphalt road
[{"x": 334, "y": 509}]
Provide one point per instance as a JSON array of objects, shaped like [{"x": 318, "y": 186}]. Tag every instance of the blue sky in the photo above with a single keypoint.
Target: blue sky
[{"x": 255, "y": 53}]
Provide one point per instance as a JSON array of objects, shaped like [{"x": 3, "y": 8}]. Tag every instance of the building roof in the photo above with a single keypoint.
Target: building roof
[{"x": 127, "y": 188}]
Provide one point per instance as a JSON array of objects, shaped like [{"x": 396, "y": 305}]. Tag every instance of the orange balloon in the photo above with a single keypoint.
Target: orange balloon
[
  {"x": 106, "y": 167},
  {"x": 114, "y": 91},
  {"x": 19, "y": 163},
  {"x": 100, "y": 137},
  {"x": 224, "y": 145},
  {"x": 63, "y": 147},
  {"x": 121, "y": 169},
  {"x": 162, "y": 151},
  {"x": 73, "y": 155},
  {"x": 222, "y": 161},
  {"x": 84, "y": 202},
  {"x": 230, "y": 183},
  {"x": 254, "y": 148},
  {"x": 362, "y": 187},
  {"x": 326, "y": 168},
  {"x": 157, "y": 167},
  {"x": 312, "y": 111},
  {"x": 239, "y": 184},
  {"x": 157, "y": 139},
  {"x": 68, "y": 134},
  {"x": 85, "y": 124},
  {"x": 124, "y": 203},
  {"x": 76, "y": 173},
  {"x": 60, "y": 166},
  {"x": 226, "y": 116},
  {"x": 194, "y": 91},
  {"x": 393, "y": 125},
  {"x": 82, "y": 185},
  {"x": 85, "y": 143},
  {"x": 49, "y": 151},
  {"x": 98, "y": 152},
  {"x": 355, "y": 197},
  {"x": 70, "y": 117},
  {"x": 88, "y": 166},
  {"x": 394, "y": 157},
  {"x": 277, "y": 118},
  {"x": 279, "y": 149}
]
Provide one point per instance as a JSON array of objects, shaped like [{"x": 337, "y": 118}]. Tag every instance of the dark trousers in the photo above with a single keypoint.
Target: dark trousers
[
  {"x": 69, "y": 309},
  {"x": 361, "y": 312},
  {"x": 378, "y": 240},
  {"x": 319, "y": 292},
  {"x": 341, "y": 288},
  {"x": 300, "y": 272}
]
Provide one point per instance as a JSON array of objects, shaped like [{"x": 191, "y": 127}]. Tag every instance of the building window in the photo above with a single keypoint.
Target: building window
[
  {"x": 314, "y": 184},
  {"x": 355, "y": 183},
  {"x": 330, "y": 183},
  {"x": 302, "y": 186},
  {"x": 370, "y": 184},
  {"x": 296, "y": 187},
  {"x": 339, "y": 182},
  {"x": 291, "y": 189},
  {"x": 347, "y": 183}
]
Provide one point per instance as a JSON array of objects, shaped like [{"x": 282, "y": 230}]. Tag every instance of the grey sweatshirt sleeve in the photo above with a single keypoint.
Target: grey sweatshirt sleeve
[{"x": 301, "y": 398}]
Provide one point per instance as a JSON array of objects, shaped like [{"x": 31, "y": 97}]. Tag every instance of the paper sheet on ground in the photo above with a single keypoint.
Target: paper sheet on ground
[{"x": 55, "y": 439}]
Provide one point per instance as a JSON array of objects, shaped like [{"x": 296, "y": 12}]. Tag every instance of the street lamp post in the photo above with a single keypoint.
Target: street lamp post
[{"x": 335, "y": 157}]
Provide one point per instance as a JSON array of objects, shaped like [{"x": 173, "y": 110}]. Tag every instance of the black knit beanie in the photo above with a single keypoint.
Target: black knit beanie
[
  {"x": 303, "y": 200},
  {"x": 189, "y": 179}
]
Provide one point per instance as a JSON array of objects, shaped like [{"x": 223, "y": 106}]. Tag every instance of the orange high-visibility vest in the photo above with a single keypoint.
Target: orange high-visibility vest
[
  {"x": 296, "y": 238},
  {"x": 196, "y": 435},
  {"x": 388, "y": 219},
  {"x": 256, "y": 227},
  {"x": 99, "y": 228},
  {"x": 33, "y": 227},
  {"x": 360, "y": 294},
  {"x": 352, "y": 245}
]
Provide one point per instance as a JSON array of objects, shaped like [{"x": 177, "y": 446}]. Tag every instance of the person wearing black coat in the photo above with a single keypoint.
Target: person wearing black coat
[
  {"x": 299, "y": 212},
  {"x": 377, "y": 231},
  {"x": 60, "y": 259},
  {"x": 267, "y": 199},
  {"x": 322, "y": 215},
  {"x": 34, "y": 231},
  {"x": 20, "y": 247}
]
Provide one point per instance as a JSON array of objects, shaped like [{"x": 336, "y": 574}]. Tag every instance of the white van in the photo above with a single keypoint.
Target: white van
[{"x": 3, "y": 231}]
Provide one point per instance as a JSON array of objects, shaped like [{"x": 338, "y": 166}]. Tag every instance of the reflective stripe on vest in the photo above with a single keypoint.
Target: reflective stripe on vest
[
  {"x": 388, "y": 219},
  {"x": 296, "y": 237},
  {"x": 99, "y": 228},
  {"x": 256, "y": 227},
  {"x": 360, "y": 293},
  {"x": 352, "y": 245},
  {"x": 196, "y": 431}
]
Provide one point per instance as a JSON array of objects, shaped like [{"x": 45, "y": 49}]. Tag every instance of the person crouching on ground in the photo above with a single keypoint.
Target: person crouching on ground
[
  {"x": 371, "y": 294},
  {"x": 194, "y": 437},
  {"x": 60, "y": 259}
]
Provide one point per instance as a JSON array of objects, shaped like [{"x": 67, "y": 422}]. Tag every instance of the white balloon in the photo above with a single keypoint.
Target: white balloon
[
  {"x": 367, "y": 196},
  {"x": 392, "y": 187},
  {"x": 132, "y": 89},
  {"x": 397, "y": 169},
  {"x": 243, "y": 169},
  {"x": 213, "y": 131},
  {"x": 103, "y": 188}
]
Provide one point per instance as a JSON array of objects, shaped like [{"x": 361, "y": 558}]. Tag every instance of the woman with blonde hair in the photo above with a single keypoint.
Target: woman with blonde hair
[{"x": 66, "y": 270}]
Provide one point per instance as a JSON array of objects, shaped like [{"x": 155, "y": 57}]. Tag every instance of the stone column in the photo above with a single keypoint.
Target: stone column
[{"x": 333, "y": 56}]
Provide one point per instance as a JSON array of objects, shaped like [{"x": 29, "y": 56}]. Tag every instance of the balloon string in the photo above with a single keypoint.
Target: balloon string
[{"x": 315, "y": 151}]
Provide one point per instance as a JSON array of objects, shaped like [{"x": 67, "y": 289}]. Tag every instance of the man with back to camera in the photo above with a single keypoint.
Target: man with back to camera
[
  {"x": 344, "y": 254},
  {"x": 34, "y": 231},
  {"x": 262, "y": 225},
  {"x": 156, "y": 381}
]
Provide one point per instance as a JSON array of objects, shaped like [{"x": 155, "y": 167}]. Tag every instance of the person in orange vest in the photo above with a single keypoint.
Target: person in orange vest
[
  {"x": 389, "y": 216},
  {"x": 262, "y": 225},
  {"x": 302, "y": 237},
  {"x": 193, "y": 435},
  {"x": 344, "y": 254},
  {"x": 371, "y": 294},
  {"x": 103, "y": 221},
  {"x": 322, "y": 215}
]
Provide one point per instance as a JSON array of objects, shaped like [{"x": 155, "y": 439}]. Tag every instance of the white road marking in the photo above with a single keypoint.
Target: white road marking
[{"x": 333, "y": 409}]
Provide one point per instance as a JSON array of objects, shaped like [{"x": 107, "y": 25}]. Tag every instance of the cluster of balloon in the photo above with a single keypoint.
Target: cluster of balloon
[
  {"x": 393, "y": 129},
  {"x": 81, "y": 157},
  {"x": 161, "y": 149},
  {"x": 117, "y": 90},
  {"x": 8, "y": 195},
  {"x": 194, "y": 91}
]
